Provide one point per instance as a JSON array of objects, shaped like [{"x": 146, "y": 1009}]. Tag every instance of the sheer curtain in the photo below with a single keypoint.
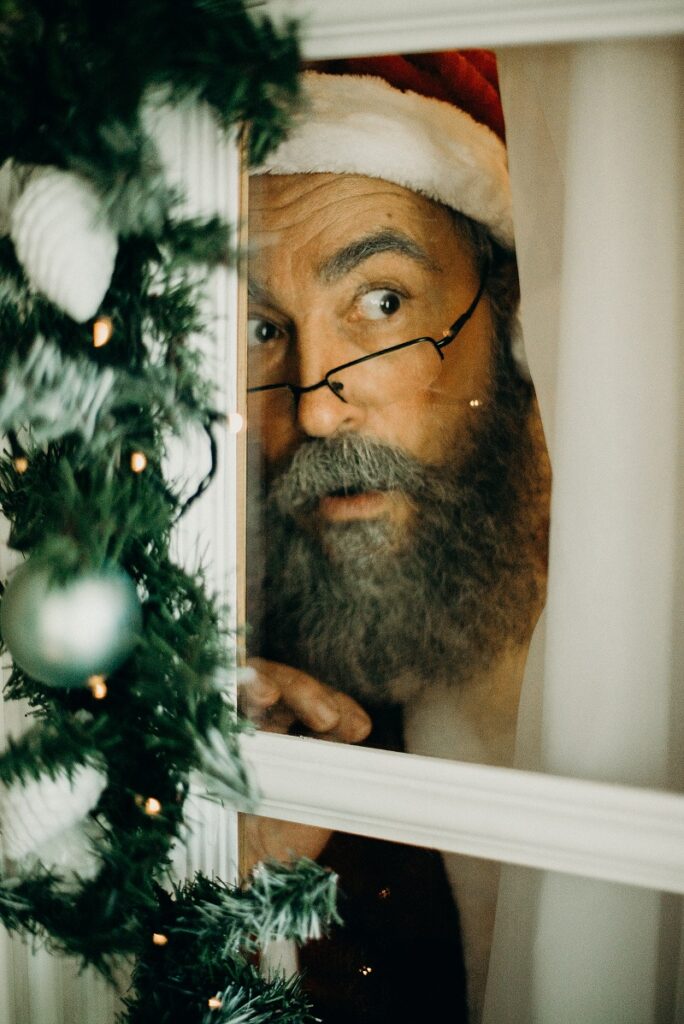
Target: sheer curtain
[{"x": 595, "y": 147}]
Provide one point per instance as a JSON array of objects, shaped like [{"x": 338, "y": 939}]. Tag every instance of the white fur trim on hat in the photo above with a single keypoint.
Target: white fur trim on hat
[{"x": 361, "y": 125}]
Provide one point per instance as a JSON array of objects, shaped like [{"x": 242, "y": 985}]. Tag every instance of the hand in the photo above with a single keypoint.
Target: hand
[{"x": 278, "y": 698}]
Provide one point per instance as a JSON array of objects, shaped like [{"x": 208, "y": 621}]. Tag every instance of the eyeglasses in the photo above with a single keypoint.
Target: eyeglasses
[{"x": 377, "y": 378}]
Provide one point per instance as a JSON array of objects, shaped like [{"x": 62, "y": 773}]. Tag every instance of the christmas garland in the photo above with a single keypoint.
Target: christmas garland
[{"x": 120, "y": 653}]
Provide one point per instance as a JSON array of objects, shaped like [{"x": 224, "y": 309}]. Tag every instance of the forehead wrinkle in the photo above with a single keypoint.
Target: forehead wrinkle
[{"x": 350, "y": 256}]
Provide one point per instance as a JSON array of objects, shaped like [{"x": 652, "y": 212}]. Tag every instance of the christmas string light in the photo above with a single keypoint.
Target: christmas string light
[
  {"x": 150, "y": 805},
  {"x": 103, "y": 329},
  {"x": 97, "y": 686},
  {"x": 214, "y": 1003},
  {"x": 20, "y": 464},
  {"x": 159, "y": 939},
  {"x": 138, "y": 462}
]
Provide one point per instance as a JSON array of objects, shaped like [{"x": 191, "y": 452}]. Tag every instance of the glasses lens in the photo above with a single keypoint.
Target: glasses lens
[
  {"x": 393, "y": 376},
  {"x": 388, "y": 377}
]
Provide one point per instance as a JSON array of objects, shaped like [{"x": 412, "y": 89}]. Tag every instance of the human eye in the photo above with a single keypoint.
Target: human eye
[
  {"x": 379, "y": 303},
  {"x": 261, "y": 331}
]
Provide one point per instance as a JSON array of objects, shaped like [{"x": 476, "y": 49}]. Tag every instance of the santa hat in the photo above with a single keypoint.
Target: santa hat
[{"x": 429, "y": 122}]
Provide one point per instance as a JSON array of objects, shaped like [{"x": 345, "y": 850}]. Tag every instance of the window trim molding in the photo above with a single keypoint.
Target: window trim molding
[
  {"x": 396, "y": 26},
  {"x": 598, "y": 830}
]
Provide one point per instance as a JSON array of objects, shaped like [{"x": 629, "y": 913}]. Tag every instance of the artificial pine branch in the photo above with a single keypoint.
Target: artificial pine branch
[
  {"x": 58, "y": 58},
  {"x": 83, "y": 77},
  {"x": 212, "y": 931},
  {"x": 64, "y": 744}
]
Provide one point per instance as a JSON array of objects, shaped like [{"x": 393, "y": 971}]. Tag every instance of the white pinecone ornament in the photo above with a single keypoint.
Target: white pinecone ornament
[
  {"x": 63, "y": 241},
  {"x": 44, "y": 820}
]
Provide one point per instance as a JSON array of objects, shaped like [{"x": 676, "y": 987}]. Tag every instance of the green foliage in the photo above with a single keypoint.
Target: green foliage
[
  {"x": 66, "y": 742},
  {"x": 79, "y": 70},
  {"x": 212, "y": 929},
  {"x": 82, "y": 76}
]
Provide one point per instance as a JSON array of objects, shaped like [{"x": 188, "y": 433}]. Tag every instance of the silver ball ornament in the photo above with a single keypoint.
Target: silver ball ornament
[{"x": 62, "y": 633}]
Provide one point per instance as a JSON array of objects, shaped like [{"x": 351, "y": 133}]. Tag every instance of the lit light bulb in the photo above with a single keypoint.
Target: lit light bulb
[
  {"x": 214, "y": 1003},
  {"x": 236, "y": 422},
  {"x": 103, "y": 329},
  {"x": 159, "y": 939},
  {"x": 138, "y": 462},
  {"x": 152, "y": 806},
  {"x": 97, "y": 686},
  {"x": 474, "y": 403},
  {"x": 20, "y": 464},
  {"x": 365, "y": 970}
]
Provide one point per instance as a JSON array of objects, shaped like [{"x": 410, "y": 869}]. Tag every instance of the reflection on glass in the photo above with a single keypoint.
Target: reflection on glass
[{"x": 397, "y": 956}]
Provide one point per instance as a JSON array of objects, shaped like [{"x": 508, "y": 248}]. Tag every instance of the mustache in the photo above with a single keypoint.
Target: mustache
[{"x": 344, "y": 464}]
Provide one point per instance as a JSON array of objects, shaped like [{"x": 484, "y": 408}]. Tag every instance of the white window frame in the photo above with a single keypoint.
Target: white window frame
[
  {"x": 619, "y": 833},
  {"x": 612, "y": 832}
]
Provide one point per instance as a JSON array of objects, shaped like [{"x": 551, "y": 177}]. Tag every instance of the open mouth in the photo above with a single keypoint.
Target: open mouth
[
  {"x": 348, "y": 503},
  {"x": 345, "y": 492}
]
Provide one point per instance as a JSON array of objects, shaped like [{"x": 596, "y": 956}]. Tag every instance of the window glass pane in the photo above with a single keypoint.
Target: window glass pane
[
  {"x": 398, "y": 480},
  {"x": 398, "y": 477},
  {"x": 404, "y": 951},
  {"x": 397, "y": 955}
]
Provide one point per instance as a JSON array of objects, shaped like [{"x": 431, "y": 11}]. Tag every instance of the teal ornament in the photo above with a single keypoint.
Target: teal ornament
[{"x": 62, "y": 633}]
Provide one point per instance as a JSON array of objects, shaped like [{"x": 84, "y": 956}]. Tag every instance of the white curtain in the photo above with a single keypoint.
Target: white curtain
[{"x": 595, "y": 146}]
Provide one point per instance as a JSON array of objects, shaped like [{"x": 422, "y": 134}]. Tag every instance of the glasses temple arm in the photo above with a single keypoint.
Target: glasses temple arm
[{"x": 463, "y": 319}]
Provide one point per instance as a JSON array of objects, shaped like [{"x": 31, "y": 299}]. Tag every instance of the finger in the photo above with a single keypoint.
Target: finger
[
  {"x": 317, "y": 708},
  {"x": 311, "y": 703},
  {"x": 256, "y": 692},
  {"x": 278, "y": 719},
  {"x": 353, "y": 723},
  {"x": 269, "y": 839}
]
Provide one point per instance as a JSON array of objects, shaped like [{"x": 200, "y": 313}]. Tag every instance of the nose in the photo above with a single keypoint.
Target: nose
[{"x": 320, "y": 413}]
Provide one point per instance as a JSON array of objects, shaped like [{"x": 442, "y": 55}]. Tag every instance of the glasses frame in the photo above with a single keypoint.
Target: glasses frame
[{"x": 297, "y": 390}]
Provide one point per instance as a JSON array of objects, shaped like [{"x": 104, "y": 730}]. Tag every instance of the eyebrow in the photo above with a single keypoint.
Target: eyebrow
[
  {"x": 256, "y": 293},
  {"x": 350, "y": 256}
]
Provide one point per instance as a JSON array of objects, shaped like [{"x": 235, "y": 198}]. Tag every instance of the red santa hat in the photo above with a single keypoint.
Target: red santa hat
[{"x": 429, "y": 122}]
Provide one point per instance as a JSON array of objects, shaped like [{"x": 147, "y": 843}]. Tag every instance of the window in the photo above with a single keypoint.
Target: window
[
  {"x": 625, "y": 836},
  {"x": 554, "y": 821}
]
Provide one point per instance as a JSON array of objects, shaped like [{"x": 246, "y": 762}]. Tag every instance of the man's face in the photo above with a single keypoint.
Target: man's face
[
  {"x": 403, "y": 541},
  {"x": 343, "y": 265}
]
